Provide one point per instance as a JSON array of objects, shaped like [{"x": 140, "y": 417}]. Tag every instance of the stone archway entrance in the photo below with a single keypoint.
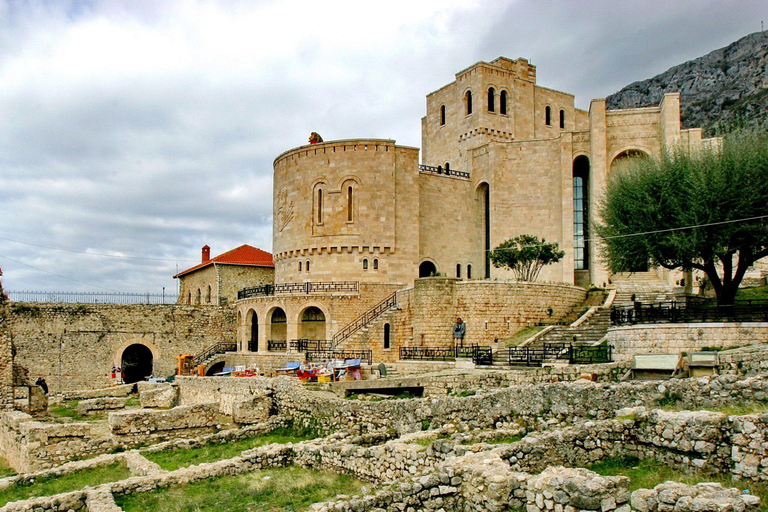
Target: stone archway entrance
[
  {"x": 427, "y": 269},
  {"x": 312, "y": 324},
  {"x": 253, "y": 339},
  {"x": 136, "y": 363}
]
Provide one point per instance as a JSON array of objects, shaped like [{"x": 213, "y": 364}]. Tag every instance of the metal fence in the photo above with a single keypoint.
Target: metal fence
[
  {"x": 306, "y": 288},
  {"x": 574, "y": 354},
  {"x": 93, "y": 297},
  {"x": 479, "y": 355},
  {"x": 678, "y": 312},
  {"x": 443, "y": 171},
  {"x": 366, "y": 356}
]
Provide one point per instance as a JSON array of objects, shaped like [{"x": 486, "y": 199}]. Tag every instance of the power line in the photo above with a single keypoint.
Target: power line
[
  {"x": 93, "y": 253},
  {"x": 59, "y": 275}
]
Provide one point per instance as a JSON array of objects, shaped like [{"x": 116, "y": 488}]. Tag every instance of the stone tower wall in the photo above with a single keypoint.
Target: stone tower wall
[{"x": 382, "y": 227}]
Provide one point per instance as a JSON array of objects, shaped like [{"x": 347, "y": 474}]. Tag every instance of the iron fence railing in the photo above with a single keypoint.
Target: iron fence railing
[
  {"x": 365, "y": 319},
  {"x": 214, "y": 350},
  {"x": 479, "y": 355},
  {"x": 574, "y": 354},
  {"x": 304, "y": 345},
  {"x": 92, "y": 297},
  {"x": 678, "y": 312},
  {"x": 306, "y": 288},
  {"x": 365, "y": 356},
  {"x": 276, "y": 345},
  {"x": 443, "y": 171}
]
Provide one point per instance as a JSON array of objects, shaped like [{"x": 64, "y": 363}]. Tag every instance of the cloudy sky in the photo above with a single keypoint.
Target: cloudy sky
[{"x": 133, "y": 133}]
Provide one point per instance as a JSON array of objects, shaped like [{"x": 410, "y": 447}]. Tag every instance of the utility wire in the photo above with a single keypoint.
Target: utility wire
[
  {"x": 59, "y": 275},
  {"x": 93, "y": 253}
]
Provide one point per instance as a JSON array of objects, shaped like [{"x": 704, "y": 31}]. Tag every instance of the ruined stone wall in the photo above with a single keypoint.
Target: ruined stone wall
[
  {"x": 6, "y": 359},
  {"x": 74, "y": 346},
  {"x": 675, "y": 338}
]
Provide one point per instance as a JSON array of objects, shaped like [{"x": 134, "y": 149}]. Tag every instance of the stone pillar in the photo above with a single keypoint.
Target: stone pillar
[
  {"x": 598, "y": 177},
  {"x": 670, "y": 118}
]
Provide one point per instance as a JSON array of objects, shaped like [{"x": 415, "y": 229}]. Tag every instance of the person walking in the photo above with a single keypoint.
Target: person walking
[{"x": 459, "y": 330}]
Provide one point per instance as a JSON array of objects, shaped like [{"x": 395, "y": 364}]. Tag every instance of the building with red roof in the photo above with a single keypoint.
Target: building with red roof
[{"x": 215, "y": 281}]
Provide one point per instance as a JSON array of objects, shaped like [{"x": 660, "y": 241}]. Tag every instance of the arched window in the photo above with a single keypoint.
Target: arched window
[
  {"x": 199, "y": 295},
  {"x": 189, "y": 298},
  {"x": 386, "y": 335},
  {"x": 442, "y": 115},
  {"x": 350, "y": 204},
  {"x": 491, "y": 100},
  {"x": 562, "y": 119},
  {"x": 376, "y": 264},
  {"x": 447, "y": 166},
  {"x": 581, "y": 213},
  {"x": 458, "y": 270},
  {"x": 307, "y": 266},
  {"x": 365, "y": 264},
  {"x": 503, "y": 103},
  {"x": 208, "y": 295},
  {"x": 548, "y": 116},
  {"x": 300, "y": 263},
  {"x": 469, "y": 271},
  {"x": 319, "y": 206},
  {"x": 469, "y": 102}
]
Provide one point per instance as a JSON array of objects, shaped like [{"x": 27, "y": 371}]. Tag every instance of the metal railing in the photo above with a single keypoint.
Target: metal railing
[
  {"x": 443, "y": 171},
  {"x": 214, "y": 350},
  {"x": 305, "y": 345},
  {"x": 276, "y": 345},
  {"x": 479, "y": 355},
  {"x": 326, "y": 355},
  {"x": 306, "y": 288},
  {"x": 365, "y": 319},
  {"x": 678, "y": 312},
  {"x": 574, "y": 354},
  {"x": 92, "y": 297}
]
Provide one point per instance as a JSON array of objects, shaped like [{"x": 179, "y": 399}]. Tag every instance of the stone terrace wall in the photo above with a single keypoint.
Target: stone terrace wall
[
  {"x": 6, "y": 360},
  {"x": 74, "y": 346},
  {"x": 135, "y": 427},
  {"x": 675, "y": 338}
]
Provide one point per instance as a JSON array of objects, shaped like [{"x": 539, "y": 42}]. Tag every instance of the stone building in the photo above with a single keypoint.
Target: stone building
[
  {"x": 359, "y": 222},
  {"x": 216, "y": 281}
]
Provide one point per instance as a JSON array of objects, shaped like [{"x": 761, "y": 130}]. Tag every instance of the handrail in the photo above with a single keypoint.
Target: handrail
[
  {"x": 444, "y": 171},
  {"x": 215, "y": 349},
  {"x": 674, "y": 312},
  {"x": 306, "y": 288},
  {"x": 364, "y": 319}
]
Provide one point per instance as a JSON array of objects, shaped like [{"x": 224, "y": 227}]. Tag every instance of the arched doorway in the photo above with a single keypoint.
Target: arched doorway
[
  {"x": 427, "y": 268},
  {"x": 483, "y": 198},
  {"x": 312, "y": 324},
  {"x": 216, "y": 368},
  {"x": 252, "y": 320},
  {"x": 278, "y": 325},
  {"x": 136, "y": 363}
]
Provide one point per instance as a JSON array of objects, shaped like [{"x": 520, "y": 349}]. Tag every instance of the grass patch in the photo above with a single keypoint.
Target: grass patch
[
  {"x": 65, "y": 483},
  {"x": 68, "y": 409},
  {"x": 6, "y": 469},
  {"x": 647, "y": 474},
  {"x": 285, "y": 489},
  {"x": 754, "y": 293},
  {"x": 181, "y": 457},
  {"x": 521, "y": 336}
]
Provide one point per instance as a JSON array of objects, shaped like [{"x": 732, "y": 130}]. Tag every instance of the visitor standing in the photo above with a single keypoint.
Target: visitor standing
[
  {"x": 459, "y": 330},
  {"x": 41, "y": 382}
]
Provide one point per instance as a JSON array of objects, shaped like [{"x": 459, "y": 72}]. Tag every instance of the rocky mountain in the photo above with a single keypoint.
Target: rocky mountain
[{"x": 721, "y": 91}]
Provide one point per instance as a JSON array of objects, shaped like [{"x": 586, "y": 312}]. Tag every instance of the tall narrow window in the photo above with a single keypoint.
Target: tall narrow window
[
  {"x": 503, "y": 103},
  {"x": 300, "y": 266},
  {"x": 365, "y": 264},
  {"x": 375, "y": 264},
  {"x": 386, "y": 335},
  {"x": 469, "y": 102},
  {"x": 350, "y": 204},
  {"x": 319, "y": 206},
  {"x": 469, "y": 271},
  {"x": 458, "y": 270},
  {"x": 208, "y": 295},
  {"x": 562, "y": 119},
  {"x": 548, "y": 115},
  {"x": 442, "y": 115},
  {"x": 307, "y": 266},
  {"x": 580, "y": 213},
  {"x": 491, "y": 100},
  {"x": 199, "y": 295}
]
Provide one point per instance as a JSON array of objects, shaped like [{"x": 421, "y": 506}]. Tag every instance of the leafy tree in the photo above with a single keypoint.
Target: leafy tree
[
  {"x": 702, "y": 210},
  {"x": 525, "y": 255}
]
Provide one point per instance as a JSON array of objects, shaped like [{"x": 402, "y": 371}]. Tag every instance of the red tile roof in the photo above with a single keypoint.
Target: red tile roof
[{"x": 243, "y": 255}]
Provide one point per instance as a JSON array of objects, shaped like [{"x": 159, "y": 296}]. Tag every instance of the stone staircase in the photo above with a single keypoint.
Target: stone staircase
[{"x": 645, "y": 286}]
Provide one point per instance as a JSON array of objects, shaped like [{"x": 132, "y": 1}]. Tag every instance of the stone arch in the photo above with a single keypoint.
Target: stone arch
[
  {"x": 467, "y": 101},
  {"x": 503, "y": 101},
  {"x": 137, "y": 362},
  {"x": 427, "y": 268},
  {"x": 277, "y": 324},
  {"x": 216, "y": 367},
  {"x": 311, "y": 322},
  {"x": 252, "y": 330},
  {"x": 626, "y": 155}
]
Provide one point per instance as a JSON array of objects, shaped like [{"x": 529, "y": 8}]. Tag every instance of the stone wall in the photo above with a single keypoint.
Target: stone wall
[
  {"x": 130, "y": 428},
  {"x": 675, "y": 338},
  {"x": 6, "y": 359},
  {"x": 222, "y": 281},
  {"x": 74, "y": 346}
]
